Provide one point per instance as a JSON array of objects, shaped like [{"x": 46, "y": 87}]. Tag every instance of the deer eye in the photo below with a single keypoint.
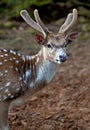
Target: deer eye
[{"x": 49, "y": 45}]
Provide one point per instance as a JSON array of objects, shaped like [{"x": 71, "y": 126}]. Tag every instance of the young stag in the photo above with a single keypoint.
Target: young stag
[{"x": 21, "y": 75}]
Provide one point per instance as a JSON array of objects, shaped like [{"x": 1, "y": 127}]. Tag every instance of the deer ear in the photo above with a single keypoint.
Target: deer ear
[
  {"x": 40, "y": 39},
  {"x": 71, "y": 37}
]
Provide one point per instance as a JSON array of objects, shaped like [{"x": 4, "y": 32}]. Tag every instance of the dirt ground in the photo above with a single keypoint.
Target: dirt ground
[{"x": 64, "y": 104}]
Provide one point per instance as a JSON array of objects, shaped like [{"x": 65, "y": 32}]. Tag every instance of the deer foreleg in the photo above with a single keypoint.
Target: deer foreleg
[{"x": 4, "y": 116}]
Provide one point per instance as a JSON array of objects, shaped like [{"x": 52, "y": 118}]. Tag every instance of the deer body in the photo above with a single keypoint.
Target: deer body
[
  {"x": 26, "y": 72},
  {"x": 21, "y": 75},
  {"x": 24, "y": 76}
]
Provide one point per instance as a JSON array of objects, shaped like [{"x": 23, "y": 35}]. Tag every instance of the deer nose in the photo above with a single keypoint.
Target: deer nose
[{"x": 63, "y": 58}]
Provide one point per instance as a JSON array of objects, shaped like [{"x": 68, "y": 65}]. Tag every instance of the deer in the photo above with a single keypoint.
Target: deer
[{"x": 23, "y": 75}]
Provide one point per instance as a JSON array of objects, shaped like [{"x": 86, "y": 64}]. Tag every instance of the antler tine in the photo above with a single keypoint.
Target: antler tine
[
  {"x": 73, "y": 21},
  {"x": 66, "y": 23},
  {"x": 31, "y": 22},
  {"x": 36, "y": 14}
]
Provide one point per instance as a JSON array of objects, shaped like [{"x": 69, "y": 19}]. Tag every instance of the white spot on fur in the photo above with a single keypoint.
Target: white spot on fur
[
  {"x": 6, "y": 90},
  {"x": 17, "y": 61},
  {"x": 17, "y": 89},
  {"x": 12, "y": 96},
  {"x": 1, "y": 74},
  {"x": 6, "y": 71},
  {"x": 20, "y": 78},
  {"x": 1, "y": 63},
  {"x": 5, "y": 50},
  {"x": 14, "y": 58},
  {"x": 5, "y": 60},
  {"x": 26, "y": 76},
  {"x": 10, "y": 58},
  {"x": 23, "y": 57},
  {"x": 9, "y": 94},
  {"x": 19, "y": 54},
  {"x": 1, "y": 55},
  {"x": 1, "y": 88},
  {"x": 7, "y": 84},
  {"x": 4, "y": 97},
  {"x": 5, "y": 54},
  {"x": 13, "y": 52},
  {"x": 27, "y": 73},
  {"x": 16, "y": 69}
]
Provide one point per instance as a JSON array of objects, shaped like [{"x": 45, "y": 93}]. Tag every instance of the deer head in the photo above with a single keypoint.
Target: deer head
[{"x": 54, "y": 45}]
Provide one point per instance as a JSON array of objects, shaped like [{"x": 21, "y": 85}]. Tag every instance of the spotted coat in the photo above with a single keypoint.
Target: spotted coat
[{"x": 11, "y": 79}]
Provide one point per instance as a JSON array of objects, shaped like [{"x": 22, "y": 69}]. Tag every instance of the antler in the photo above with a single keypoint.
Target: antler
[
  {"x": 70, "y": 21},
  {"x": 38, "y": 25},
  {"x": 36, "y": 14}
]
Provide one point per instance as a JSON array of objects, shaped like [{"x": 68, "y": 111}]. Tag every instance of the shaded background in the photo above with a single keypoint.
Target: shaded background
[
  {"x": 65, "y": 103},
  {"x": 52, "y": 12},
  {"x": 11, "y": 9}
]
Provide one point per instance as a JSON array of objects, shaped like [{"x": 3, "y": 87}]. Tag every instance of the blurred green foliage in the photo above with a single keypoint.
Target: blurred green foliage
[
  {"x": 13, "y": 7},
  {"x": 47, "y": 8}
]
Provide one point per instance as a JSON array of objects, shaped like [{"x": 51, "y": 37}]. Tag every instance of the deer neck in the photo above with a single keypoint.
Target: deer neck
[{"x": 39, "y": 71}]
